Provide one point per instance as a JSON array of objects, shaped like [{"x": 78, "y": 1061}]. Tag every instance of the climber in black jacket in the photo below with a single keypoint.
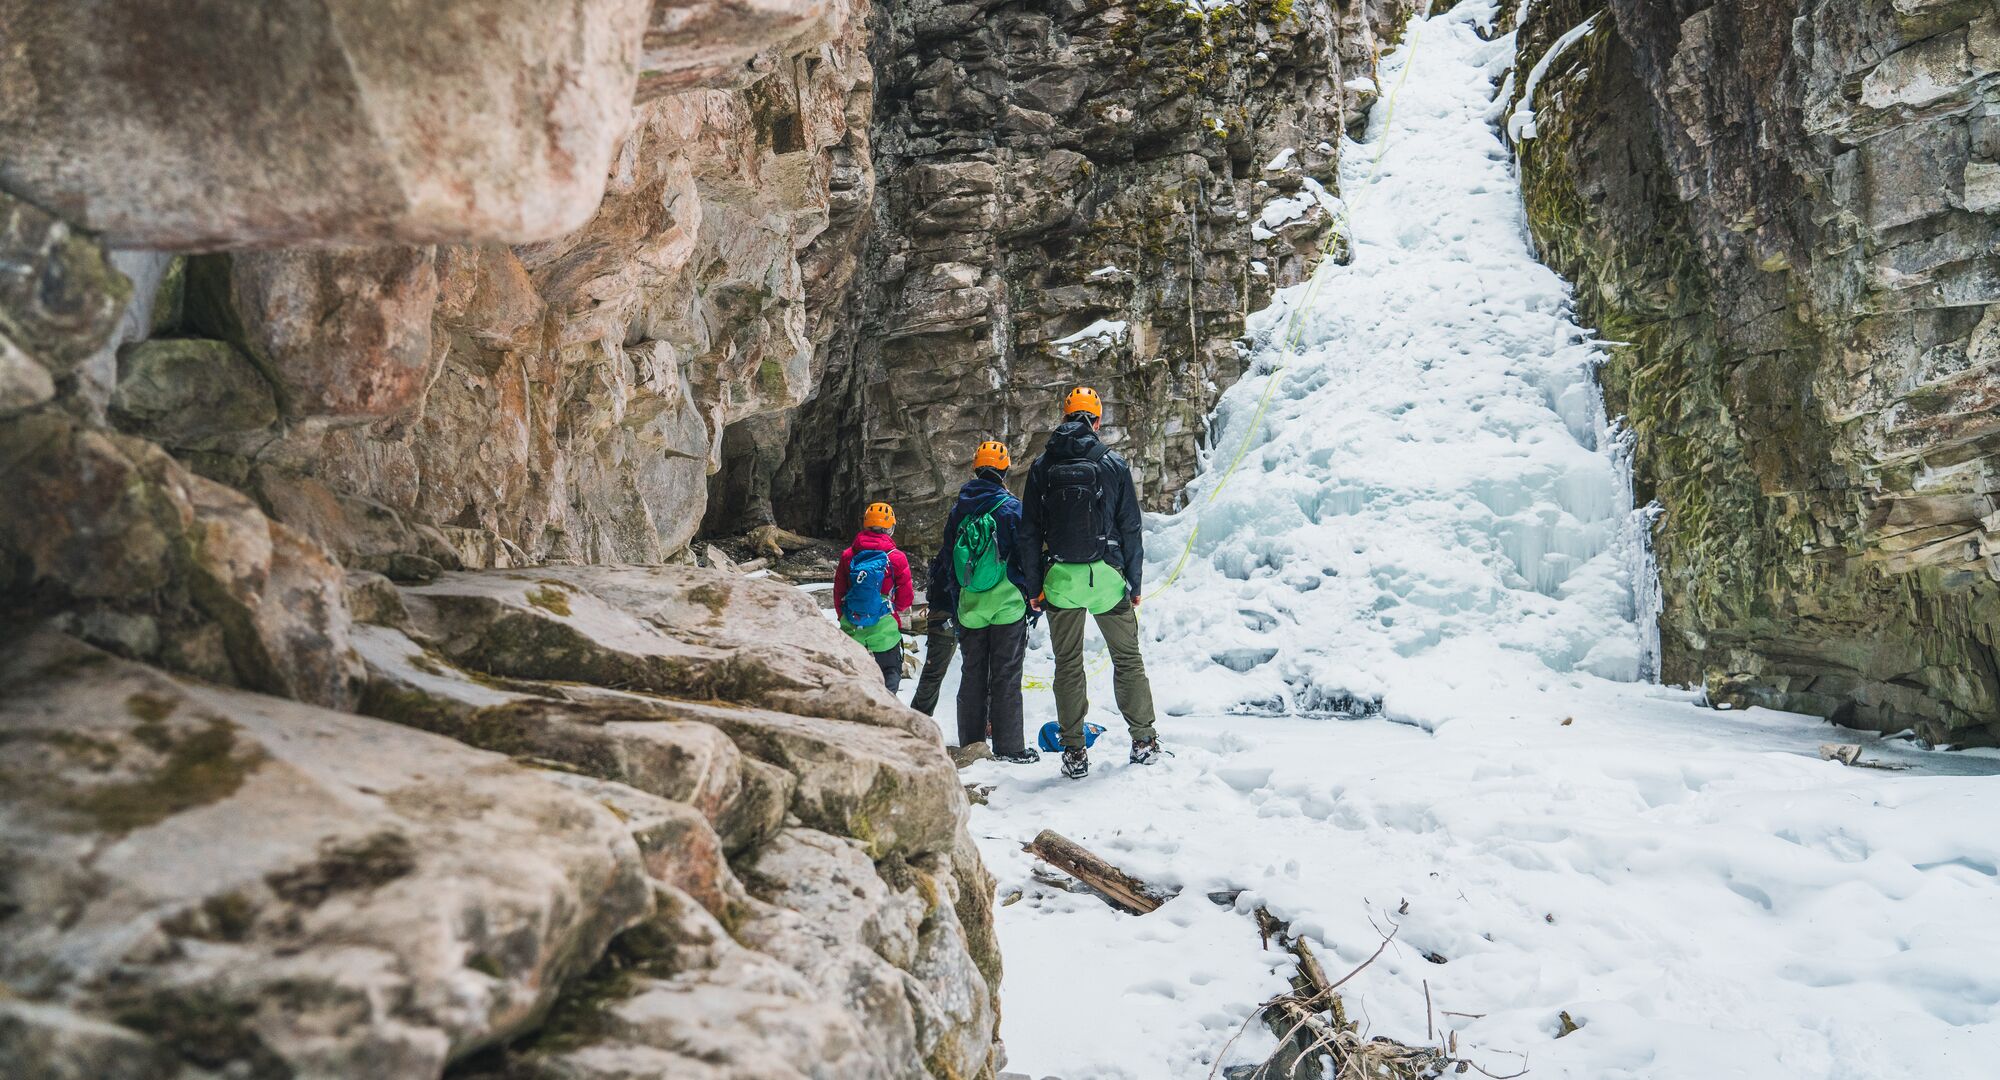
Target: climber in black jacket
[{"x": 1082, "y": 550}]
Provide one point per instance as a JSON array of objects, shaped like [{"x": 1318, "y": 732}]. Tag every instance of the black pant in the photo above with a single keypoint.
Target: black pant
[
  {"x": 891, "y": 663},
  {"x": 939, "y": 644},
  {"x": 989, "y": 686}
]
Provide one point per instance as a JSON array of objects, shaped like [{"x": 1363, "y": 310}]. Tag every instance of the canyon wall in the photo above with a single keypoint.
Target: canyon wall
[
  {"x": 1783, "y": 214},
  {"x": 316, "y": 328},
  {"x": 1091, "y": 193}
]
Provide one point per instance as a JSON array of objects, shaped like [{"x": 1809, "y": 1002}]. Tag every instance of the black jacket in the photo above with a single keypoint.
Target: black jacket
[{"x": 1126, "y": 550}]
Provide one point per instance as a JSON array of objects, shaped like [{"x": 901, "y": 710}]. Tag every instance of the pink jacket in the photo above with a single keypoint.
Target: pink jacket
[{"x": 895, "y": 585}]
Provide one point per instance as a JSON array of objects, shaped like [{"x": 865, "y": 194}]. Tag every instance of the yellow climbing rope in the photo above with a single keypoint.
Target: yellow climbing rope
[{"x": 1096, "y": 667}]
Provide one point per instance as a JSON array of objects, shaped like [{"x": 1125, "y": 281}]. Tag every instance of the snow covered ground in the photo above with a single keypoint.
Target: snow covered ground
[{"x": 1430, "y": 525}]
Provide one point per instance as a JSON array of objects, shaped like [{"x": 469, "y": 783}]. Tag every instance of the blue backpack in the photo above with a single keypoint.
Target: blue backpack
[
  {"x": 1050, "y": 740},
  {"x": 863, "y": 603}
]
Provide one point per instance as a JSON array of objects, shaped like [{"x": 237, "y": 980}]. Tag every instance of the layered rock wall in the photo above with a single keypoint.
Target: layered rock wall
[
  {"x": 268, "y": 812},
  {"x": 566, "y": 400},
  {"x": 1067, "y": 193},
  {"x": 716, "y": 847},
  {"x": 1784, "y": 213}
]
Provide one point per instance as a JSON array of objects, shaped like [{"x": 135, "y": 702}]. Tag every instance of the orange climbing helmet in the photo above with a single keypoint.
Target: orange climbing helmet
[
  {"x": 1083, "y": 399},
  {"x": 878, "y": 516},
  {"x": 992, "y": 455}
]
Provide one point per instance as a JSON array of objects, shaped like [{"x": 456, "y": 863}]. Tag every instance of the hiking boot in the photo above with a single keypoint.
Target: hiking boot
[
  {"x": 1076, "y": 762},
  {"x": 1026, "y": 756},
  {"x": 1146, "y": 751}
]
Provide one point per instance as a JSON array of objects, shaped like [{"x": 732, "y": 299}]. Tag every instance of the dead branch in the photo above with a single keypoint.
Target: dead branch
[
  {"x": 1268, "y": 926},
  {"x": 1309, "y": 969},
  {"x": 1311, "y": 1025}
]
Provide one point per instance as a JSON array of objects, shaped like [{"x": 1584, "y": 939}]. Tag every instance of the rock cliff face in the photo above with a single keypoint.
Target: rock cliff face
[
  {"x": 1066, "y": 193},
  {"x": 564, "y": 400},
  {"x": 270, "y": 813},
  {"x": 745, "y": 860},
  {"x": 1785, "y": 212}
]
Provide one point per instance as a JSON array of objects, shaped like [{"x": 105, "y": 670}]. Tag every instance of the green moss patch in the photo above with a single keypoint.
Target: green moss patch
[
  {"x": 88, "y": 750},
  {"x": 152, "y": 707},
  {"x": 484, "y": 964},
  {"x": 552, "y": 600},
  {"x": 207, "y": 1029},
  {"x": 711, "y": 596},
  {"x": 581, "y": 1015},
  {"x": 341, "y": 868},
  {"x": 200, "y": 767},
  {"x": 228, "y": 917}
]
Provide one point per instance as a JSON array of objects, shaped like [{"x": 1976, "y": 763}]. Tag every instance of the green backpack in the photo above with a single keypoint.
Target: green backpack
[{"x": 975, "y": 555}]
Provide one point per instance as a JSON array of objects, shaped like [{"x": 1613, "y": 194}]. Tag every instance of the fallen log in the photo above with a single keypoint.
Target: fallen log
[
  {"x": 1115, "y": 885},
  {"x": 776, "y": 542}
]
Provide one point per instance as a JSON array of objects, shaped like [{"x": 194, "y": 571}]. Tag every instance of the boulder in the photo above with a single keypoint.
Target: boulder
[
  {"x": 60, "y": 299},
  {"x": 681, "y": 632},
  {"x": 280, "y": 601},
  {"x": 238, "y": 123},
  {"x": 675, "y": 700},
  {"x": 23, "y": 382},
  {"x": 361, "y": 533},
  {"x": 343, "y": 336},
  {"x": 797, "y": 987},
  {"x": 112, "y": 519},
  {"x": 577, "y": 390},
  {"x": 236, "y": 884},
  {"x": 894, "y": 791},
  {"x": 59, "y": 296},
  {"x": 889, "y": 943},
  {"x": 192, "y": 393},
  {"x": 695, "y": 1003},
  {"x": 627, "y": 738},
  {"x": 675, "y": 841},
  {"x": 832, "y": 846}
]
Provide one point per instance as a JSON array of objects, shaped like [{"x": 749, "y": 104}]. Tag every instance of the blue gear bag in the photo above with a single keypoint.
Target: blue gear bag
[
  {"x": 1050, "y": 739},
  {"x": 863, "y": 603}
]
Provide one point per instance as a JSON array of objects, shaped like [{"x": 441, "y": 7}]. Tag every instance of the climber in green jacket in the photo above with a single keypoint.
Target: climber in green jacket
[
  {"x": 1082, "y": 551},
  {"x": 977, "y": 578}
]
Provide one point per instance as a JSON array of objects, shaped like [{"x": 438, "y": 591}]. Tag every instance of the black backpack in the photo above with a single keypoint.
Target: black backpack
[{"x": 1073, "y": 523}]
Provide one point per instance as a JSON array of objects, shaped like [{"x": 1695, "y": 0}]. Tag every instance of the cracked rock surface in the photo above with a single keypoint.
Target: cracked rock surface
[{"x": 1786, "y": 212}]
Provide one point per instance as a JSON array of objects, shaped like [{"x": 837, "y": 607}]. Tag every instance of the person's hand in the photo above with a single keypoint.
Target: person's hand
[
  {"x": 1135, "y": 600},
  {"x": 1035, "y": 603}
]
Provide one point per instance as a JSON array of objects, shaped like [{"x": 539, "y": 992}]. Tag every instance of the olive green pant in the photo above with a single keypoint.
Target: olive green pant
[{"x": 1120, "y": 627}]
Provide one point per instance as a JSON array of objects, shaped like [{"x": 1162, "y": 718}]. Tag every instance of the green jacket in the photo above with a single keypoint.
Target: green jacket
[
  {"x": 1096, "y": 587},
  {"x": 997, "y": 606},
  {"x": 881, "y": 637}
]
